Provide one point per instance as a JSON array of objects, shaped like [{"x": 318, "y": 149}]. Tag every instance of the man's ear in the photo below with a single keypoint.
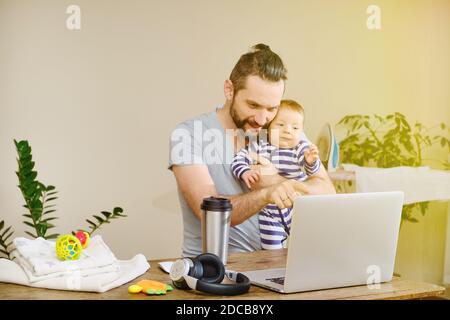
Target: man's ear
[{"x": 228, "y": 89}]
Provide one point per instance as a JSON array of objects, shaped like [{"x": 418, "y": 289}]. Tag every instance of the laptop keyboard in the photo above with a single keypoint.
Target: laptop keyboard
[{"x": 279, "y": 280}]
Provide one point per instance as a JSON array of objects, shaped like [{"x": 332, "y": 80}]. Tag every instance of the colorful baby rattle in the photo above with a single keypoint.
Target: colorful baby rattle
[
  {"x": 69, "y": 247},
  {"x": 84, "y": 238}
]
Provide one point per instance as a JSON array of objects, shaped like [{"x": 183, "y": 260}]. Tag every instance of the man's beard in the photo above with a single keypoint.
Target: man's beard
[
  {"x": 247, "y": 133},
  {"x": 240, "y": 123}
]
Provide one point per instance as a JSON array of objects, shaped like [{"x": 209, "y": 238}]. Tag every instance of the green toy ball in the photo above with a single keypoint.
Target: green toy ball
[{"x": 68, "y": 247}]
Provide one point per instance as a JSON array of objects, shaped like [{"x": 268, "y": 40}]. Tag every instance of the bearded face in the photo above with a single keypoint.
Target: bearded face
[
  {"x": 254, "y": 106},
  {"x": 240, "y": 121}
]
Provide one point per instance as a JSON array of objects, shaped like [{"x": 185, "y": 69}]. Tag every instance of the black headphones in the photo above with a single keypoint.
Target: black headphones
[{"x": 205, "y": 273}]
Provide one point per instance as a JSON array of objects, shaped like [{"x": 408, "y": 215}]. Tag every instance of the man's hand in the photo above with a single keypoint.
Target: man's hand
[
  {"x": 283, "y": 194},
  {"x": 250, "y": 178},
  {"x": 311, "y": 154}
]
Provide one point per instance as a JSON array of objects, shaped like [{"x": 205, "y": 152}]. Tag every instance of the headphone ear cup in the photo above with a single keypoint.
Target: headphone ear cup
[
  {"x": 213, "y": 270},
  {"x": 179, "y": 269},
  {"x": 197, "y": 269},
  {"x": 181, "y": 284}
]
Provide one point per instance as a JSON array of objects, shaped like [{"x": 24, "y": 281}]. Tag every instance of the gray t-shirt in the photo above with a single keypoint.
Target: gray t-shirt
[{"x": 202, "y": 140}]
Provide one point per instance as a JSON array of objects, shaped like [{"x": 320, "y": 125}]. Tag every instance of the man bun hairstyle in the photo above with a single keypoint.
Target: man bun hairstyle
[{"x": 259, "y": 61}]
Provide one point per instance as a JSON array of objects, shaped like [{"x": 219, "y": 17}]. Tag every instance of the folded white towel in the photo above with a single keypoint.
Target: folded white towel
[
  {"x": 12, "y": 272},
  {"x": 418, "y": 183},
  {"x": 114, "y": 267},
  {"x": 40, "y": 256},
  {"x": 97, "y": 270}
]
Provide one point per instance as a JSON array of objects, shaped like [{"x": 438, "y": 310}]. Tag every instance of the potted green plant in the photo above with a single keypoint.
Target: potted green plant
[
  {"x": 390, "y": 141},
  {"x": 40, "y": 204}
]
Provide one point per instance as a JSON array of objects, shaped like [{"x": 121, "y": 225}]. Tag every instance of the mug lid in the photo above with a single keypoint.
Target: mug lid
[{"x": 216, "y": 204}]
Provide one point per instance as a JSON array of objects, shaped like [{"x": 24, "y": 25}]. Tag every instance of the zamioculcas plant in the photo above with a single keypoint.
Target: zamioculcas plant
[
  {"x": 39, "y": 201},
  {"x": 38, "y": 197}
]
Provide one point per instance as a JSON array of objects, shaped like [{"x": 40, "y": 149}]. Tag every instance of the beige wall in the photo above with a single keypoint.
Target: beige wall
[{"x": 98, "y": 104}]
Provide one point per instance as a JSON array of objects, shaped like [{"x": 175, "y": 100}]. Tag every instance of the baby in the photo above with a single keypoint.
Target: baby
[{"x": 293, "y": 157}]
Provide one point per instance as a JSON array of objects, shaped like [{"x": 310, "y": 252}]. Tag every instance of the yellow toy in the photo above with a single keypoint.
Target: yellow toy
[
  {"x": 150, "y": 287},
  {"x": 68, "y": 247}
]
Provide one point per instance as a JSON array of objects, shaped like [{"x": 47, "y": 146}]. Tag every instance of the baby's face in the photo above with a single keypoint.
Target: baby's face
[{"x": 285, "y": 129}]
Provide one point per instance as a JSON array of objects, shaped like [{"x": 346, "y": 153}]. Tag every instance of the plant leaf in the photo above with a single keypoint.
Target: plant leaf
[
  {"x": 28, "y": 224},
  {"x": 8, "y": 236},
  {"x": 99, "y": 219},
  {"x": 49, "y": 219},
  {"x": 30, "y": 234},
  {"x": 117, "y": 210},
  {"x": 42, "y": 229},
  {"x": 91, "y": 223},
  {"x": 106, "y": 214},
  {"x": 7, "y": 229}
]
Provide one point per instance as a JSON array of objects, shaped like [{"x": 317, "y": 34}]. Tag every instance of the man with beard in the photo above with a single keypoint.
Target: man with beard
[{"x": 253, "y": 93}]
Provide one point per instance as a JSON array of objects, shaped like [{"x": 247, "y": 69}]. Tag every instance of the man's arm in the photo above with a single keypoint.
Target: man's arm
[
  {"x": 195, "y": 184},
  {"x": 319, "y": 183},
  {"x": 246, "y": 205}
]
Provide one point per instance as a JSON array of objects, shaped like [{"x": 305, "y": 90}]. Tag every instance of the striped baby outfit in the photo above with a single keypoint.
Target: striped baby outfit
[{"x": 291, "y": 164}]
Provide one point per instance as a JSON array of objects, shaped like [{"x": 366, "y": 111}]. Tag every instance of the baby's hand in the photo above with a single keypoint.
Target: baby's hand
[
  {"x": 250, "y": 177},
  {"x": 311, "y": 154},
  {"x": 263, "y": 166}
]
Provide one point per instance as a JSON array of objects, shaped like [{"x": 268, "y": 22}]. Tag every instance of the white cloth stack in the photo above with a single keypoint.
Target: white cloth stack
[
  {"x": 35, "y": 264},
  {"x": 418, "y": 183}
]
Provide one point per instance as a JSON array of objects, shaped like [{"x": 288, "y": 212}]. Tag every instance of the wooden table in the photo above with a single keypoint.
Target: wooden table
[{"x": 396, "y": 289}]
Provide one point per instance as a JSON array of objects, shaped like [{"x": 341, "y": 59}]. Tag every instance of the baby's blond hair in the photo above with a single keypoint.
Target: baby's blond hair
[{"x": 293, "y": 105}]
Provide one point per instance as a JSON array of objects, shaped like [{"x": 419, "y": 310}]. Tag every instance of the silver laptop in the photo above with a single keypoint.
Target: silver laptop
[{"x": 338, "y": 241}]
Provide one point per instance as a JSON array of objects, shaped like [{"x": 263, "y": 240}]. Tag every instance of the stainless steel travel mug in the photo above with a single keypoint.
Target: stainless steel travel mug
[{"x": 216, "y": 218}]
